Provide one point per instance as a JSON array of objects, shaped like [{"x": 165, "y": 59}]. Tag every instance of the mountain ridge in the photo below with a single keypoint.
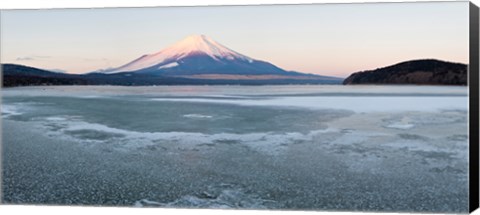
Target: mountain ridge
[
  {"x": 20, "y": 75},
  {"x": 416, "y": 72}
]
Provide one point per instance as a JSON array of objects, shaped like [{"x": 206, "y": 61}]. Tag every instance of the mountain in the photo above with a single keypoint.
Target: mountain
[
  {"x": 194, "y": 60},
  {"x": 19, "y": 75},
  {"x": 419, "y": 72},
  {"x": 200, "y": 57},
  {"x": 14, "y": 69},
  {"x": 183, "y": 54}
]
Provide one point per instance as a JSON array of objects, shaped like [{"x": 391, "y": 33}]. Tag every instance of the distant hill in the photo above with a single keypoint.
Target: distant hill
[
  {"x": 418, "y": 72},
  {"x": 19, "y": 75},
  {"x": 14, "y": 69}
]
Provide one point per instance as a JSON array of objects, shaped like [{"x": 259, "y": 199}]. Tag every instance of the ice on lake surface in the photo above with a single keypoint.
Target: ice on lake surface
[{"x": 318, "y": 147}]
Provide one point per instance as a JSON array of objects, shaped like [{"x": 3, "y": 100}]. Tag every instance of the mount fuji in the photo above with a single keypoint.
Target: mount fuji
[{"x": 200, "y": 57}]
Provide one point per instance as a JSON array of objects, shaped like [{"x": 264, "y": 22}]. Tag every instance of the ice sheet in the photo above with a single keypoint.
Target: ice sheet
[{"x": 354, "y": 103}]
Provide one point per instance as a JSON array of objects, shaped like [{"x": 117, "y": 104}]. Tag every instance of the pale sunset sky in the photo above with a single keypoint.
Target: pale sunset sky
[{"x": 326, "y": 39}]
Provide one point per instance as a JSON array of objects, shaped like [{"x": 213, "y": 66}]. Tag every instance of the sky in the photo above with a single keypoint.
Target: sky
[{"x": 326, "y": 39}]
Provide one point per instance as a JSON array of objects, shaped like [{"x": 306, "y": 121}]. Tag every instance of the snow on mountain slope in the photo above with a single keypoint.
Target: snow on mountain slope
[
  {"x": 169, "y": 65},
  {"x": 192, "y": 45}
]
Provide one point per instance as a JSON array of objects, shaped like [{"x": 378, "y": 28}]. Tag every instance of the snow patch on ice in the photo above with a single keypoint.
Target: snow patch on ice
[
  {"x": 264, "y": 142},
  {"x": 228, "y": 96},
  {"x": 405, "y": 123},
  {"x": 56, "y": 118},
  {"x": 355, "y": 103},
  {"x": 9, "y": 110},
  {"x": 89, "y": 96},
  {"x": 146, "y": 202},
  {"x": 17, "y": 108},
  {"x": 198, "y": 116},
  {"x": 400, "y": 125},
  {"x": 222, "y": 197}
]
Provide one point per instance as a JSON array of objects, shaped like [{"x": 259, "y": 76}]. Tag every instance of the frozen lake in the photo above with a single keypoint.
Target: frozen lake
[{"x": 336, "y": 148}]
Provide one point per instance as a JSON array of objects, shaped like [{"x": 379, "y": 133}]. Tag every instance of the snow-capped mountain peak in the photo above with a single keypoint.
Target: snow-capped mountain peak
[
  {"x": 191, "y": 45},
  {"x": 204, "y": 44}
]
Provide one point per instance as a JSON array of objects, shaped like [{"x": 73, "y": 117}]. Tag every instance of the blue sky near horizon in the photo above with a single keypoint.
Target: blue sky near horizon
[{"x": 327, "y": 39}]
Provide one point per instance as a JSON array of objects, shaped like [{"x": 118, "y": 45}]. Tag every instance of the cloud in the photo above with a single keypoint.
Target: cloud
[
  {"x": 32, "y": 57},
  {"x": 24, "y": 58},
  {"x": 95, "y": 59},
  {"x": 41, "y": 56}
]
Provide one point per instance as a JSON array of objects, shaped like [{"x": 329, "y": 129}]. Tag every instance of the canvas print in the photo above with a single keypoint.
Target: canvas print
[{"x": 326, "y": 107}]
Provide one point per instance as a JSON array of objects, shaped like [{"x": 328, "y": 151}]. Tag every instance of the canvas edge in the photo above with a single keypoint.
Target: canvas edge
[{"x": 474, "y": 107}]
